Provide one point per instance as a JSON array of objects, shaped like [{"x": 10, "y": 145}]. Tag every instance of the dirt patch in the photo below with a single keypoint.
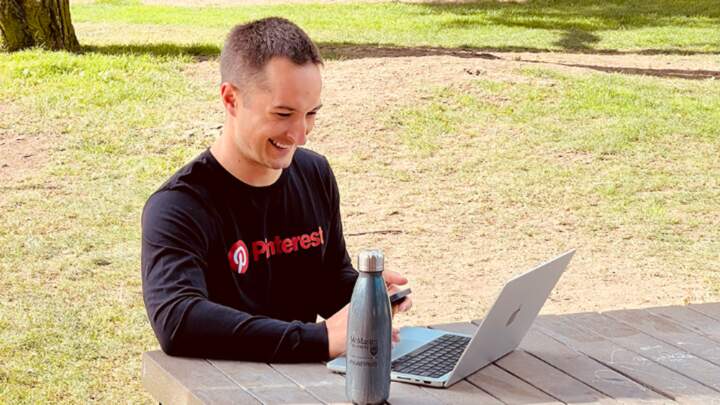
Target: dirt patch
[{"x": 23, "y": 154}]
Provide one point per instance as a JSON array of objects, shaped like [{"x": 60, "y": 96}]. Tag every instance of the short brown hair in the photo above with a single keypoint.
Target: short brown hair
[{"x": 249, "y": 47}]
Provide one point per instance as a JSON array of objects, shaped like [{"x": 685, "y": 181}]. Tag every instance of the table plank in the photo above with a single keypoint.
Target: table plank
[
  {"x": 498, "y": 382},
  {"x": 325, "y": 385},
  {"x": 649, "y": 347},
  {"x": 710, "y": 309},
  {"x": 510, "y": 389},
  {"x": 669, "y": 332},
  {"x": 551, "y": 380},
  {"x": 462, "y": 393},
  {"x": 693, "y": 320},
  {"x": 556, "y": 381},
  {"x": 329, "y": 387},
  {"x": 587, "y": 370},
  {"x": 179, "y": 380},
  {"x": 264, "y": 382},
  {"x": 409, "y": 394},
  {"x": 646, "y": 372}
]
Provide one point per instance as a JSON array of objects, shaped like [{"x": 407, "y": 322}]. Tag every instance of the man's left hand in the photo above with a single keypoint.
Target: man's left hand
[{"x": 392, "y": 281}]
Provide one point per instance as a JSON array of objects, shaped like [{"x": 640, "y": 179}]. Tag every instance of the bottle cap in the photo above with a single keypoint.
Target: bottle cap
[{"x": 371, "y": 260}]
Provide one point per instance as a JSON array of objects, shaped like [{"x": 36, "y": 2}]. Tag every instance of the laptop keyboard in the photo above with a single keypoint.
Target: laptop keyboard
[{"x": 433, "y": 359}]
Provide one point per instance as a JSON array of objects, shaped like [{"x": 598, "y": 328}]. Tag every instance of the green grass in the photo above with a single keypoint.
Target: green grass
[
  {"x": 628, "y": 154},
  {"x": 73, "y": 323},
  {"x": 665, "y": 26}
]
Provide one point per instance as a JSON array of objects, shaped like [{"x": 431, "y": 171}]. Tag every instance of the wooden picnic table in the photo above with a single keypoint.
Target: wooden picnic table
[{"x": 655, "y": 355}]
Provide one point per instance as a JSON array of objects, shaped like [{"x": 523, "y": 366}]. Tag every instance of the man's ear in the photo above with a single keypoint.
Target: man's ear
[{"x": 229, "y": 97}]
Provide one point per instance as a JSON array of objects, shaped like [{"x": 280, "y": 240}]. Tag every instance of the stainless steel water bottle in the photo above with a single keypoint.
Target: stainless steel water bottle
[{"x": 369, "y": 336}]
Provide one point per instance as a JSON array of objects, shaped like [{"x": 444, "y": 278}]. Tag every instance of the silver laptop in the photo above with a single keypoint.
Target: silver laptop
[{"x": 440, "y": 359}]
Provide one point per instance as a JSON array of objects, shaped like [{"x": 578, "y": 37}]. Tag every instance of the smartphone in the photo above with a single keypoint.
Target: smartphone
[{"x": 399, "y": 296}]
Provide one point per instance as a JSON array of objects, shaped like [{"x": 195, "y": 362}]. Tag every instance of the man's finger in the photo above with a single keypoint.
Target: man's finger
[
  {"x": 405, "y": 305},
  {"x": 392, "y": 277},
  {"x": 392, "y": 289}
]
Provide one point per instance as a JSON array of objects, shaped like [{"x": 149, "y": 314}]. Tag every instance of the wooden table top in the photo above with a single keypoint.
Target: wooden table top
[{"x": 654, "y": 355}]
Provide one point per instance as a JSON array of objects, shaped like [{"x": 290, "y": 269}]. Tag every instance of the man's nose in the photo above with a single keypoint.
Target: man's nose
[{"x": 298, "y": 131}]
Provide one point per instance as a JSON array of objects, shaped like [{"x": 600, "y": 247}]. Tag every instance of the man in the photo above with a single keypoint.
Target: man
[{"x": 243, "y": 247}]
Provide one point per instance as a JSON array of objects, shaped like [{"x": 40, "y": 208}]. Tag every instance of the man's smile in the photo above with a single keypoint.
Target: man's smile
[{"x": 280, "y": 145}]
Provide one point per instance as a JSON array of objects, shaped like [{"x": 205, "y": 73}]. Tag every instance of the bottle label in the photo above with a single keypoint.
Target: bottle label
[{"x": 363, "y": 351}]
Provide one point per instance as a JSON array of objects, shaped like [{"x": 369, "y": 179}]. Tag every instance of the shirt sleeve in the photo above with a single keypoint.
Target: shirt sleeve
[
  {"x": 175, "y": 243},
  {"x": 340, "y": 276}
]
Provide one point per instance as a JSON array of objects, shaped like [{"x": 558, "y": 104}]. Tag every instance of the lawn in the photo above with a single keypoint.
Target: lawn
[
  {"x": 625, "y": 166},
  {"x": 666, "y": 26}
]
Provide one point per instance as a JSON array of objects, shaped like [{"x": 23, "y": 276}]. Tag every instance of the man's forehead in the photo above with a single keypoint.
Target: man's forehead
[
  {"x": 281, "y": 68},
  {"x": 293, "y": 86}
]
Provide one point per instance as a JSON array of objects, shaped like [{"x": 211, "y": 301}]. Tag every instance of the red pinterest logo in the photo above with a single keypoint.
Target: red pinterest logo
[{"x": 238, "y": 257}]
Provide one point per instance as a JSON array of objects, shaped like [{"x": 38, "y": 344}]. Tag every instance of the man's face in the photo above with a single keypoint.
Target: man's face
[{"x": 273, "y": 118}]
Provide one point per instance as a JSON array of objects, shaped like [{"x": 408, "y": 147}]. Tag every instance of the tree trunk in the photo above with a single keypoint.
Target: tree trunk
[
  {"x": 13, "y": 26},
  {"x": 44, "y": 23}
]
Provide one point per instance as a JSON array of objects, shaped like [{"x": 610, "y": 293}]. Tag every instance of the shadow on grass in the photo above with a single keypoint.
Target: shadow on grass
[
  {"x": 344, "y": 51},
  {"x": 579, "y": 20},
  {"x": 197, "y": 51},
  {"x": 349, "y": 51},
  {"x": 669, "y": 73}
]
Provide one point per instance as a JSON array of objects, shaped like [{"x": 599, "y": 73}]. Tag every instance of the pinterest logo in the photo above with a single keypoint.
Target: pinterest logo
[{"x": 238, "y": 257}]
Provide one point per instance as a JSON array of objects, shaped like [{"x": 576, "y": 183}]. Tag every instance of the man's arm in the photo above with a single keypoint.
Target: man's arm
[{"x": 186, "y": 323}]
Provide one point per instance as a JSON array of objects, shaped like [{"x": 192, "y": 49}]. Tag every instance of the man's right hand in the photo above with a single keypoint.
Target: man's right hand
[{"x": 337, "y": 332}]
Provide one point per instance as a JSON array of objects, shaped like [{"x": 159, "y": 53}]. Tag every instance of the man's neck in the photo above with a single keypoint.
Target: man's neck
[{"x": 225, "y": 152}]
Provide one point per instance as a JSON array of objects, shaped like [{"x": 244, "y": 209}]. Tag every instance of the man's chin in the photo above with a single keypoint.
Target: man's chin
[{"x": 284, "y": 163}]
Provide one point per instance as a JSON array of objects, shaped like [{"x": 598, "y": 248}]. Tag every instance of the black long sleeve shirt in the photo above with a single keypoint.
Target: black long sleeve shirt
[{"x": 240, "y": 272}]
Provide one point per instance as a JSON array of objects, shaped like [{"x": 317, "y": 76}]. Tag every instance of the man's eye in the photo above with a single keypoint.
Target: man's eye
[{"x": 284, "y": 115}]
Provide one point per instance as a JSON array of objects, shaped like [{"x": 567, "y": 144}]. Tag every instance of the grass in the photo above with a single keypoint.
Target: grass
[
  {"x": 74, "y": 324},
  {"x": 665, "y": 26},
  {"x": 631, "y": 156}
]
